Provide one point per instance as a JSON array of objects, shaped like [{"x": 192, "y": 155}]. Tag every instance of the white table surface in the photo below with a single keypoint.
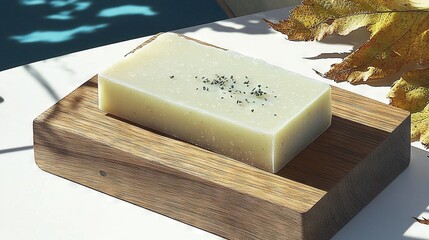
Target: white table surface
[{"x": 37, "y": 205}]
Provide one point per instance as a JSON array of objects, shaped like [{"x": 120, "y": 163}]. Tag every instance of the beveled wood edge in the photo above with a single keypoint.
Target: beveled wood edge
[{"x": 399, "y": 156}]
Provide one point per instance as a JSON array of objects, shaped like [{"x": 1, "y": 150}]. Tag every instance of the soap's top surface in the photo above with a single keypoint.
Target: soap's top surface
[{"x": 218, "y": 82}]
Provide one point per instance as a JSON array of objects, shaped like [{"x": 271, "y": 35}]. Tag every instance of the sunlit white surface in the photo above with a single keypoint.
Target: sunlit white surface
[{"x": 38, "y": 205}]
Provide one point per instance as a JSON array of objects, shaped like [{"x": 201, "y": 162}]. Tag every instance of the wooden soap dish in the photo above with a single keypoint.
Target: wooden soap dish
[{"x": 318, "y": 192}]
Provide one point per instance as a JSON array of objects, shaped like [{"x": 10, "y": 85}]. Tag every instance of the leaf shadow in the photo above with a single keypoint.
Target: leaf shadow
[
  {"x": 355, "y": 39},
  {"x": 389, "y": 80},
  {"x": 252, "y": 24},
  {"x": 329, "y": 55}
]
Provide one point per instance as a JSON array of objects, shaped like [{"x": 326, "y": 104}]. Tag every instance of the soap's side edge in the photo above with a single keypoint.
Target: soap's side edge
[{"x": 317, "y": 116}]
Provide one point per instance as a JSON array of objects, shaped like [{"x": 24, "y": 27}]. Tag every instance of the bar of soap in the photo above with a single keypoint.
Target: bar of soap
[{"x": 220, "y": 100}]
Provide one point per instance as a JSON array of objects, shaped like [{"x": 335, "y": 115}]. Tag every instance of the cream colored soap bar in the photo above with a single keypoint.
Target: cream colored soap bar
[{"x": 231, "y": 104}]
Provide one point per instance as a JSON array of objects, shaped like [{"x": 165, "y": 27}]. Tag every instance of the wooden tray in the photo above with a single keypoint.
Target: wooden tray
[{"x": 320, "y": 190}]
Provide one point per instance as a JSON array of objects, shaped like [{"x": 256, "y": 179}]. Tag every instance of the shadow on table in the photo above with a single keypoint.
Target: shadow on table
[
  {"x": 404, "y": 198},
  {"x": 16, "y": 149},
  {"x": 250, "y": 24}
]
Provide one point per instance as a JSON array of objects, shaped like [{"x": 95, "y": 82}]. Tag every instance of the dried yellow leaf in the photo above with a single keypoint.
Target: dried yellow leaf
[
  {"x": 399, "y": 33},
  {"x": 411, "y": 93},
  {"x": 420, "y": 127}
]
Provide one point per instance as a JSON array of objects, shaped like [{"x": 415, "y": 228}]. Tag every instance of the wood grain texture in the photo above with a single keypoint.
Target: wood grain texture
[{"x": 321, "y": 189}]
